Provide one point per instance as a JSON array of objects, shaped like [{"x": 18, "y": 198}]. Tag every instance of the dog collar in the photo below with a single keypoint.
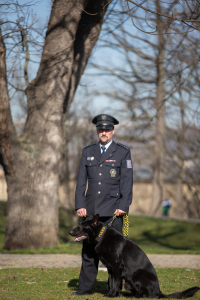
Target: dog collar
[
  {"x": 103, "y": 230},
  {"x": 101, "y": 233}
]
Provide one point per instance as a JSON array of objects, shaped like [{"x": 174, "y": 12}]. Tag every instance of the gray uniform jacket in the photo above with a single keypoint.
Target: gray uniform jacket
[{"x": 110, "y": 180}]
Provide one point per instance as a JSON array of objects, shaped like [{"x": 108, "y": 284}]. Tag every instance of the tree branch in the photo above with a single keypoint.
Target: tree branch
[{"x": 166, "y": 16}]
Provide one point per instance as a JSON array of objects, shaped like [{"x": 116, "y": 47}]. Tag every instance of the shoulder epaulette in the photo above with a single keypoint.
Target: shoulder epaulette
[
  {"x": 126, "y": 147},
  {"x": 89, "y": 145}
]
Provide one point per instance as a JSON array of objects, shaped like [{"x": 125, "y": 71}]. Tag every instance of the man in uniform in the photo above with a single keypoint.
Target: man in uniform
[{"x": 107, "y": 168}]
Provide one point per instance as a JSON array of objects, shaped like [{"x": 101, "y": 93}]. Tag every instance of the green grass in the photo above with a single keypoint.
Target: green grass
[
  {"x": 39, "y": 284},
  {"x": 165, "y": 235},
  {"x": 159, "y": 236}
]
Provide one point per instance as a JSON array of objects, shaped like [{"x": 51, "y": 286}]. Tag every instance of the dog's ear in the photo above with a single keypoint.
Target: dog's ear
[{"x": 95, "y": 220}]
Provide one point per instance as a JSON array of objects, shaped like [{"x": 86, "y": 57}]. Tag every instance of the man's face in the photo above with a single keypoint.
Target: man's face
[{"x": 105, "y": 135}]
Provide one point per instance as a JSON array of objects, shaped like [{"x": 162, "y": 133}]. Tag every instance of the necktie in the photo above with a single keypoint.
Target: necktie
[{"x": 104, "y": 150}]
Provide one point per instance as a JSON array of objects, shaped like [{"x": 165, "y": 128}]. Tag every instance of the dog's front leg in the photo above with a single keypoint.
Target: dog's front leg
[
  {"x": 115, "y": 283},
  {"x": 110, "y": 282}
]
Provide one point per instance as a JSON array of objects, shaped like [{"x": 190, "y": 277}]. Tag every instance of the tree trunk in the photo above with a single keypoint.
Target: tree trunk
[
  {"x": 157, "y": 195},
  {"x": 179, "y": 191},
  {"x": 33, "y": 161}
]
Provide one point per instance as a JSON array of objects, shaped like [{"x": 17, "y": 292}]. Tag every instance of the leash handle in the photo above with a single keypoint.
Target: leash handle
[{"x": 126, "y": 225}]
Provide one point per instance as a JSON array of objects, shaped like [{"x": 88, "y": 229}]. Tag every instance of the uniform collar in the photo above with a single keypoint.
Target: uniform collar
[
  {"x": 107, "y": 154},
  {"x": 107, "y": 145}
]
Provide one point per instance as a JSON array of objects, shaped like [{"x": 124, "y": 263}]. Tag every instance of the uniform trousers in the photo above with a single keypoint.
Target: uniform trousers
[{"x": 90, "y": 259}]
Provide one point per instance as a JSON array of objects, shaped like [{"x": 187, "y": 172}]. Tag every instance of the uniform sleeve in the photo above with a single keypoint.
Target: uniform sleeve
[
  {"x": 81, "y": 184},
  {"x": 126, "y": 183}
]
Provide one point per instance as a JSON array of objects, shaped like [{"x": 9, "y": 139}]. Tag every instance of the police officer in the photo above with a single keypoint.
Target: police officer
[{"x": 107, "y": 168}]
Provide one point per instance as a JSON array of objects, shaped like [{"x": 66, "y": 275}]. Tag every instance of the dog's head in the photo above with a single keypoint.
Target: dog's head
[{"x": 86, "y": 230}]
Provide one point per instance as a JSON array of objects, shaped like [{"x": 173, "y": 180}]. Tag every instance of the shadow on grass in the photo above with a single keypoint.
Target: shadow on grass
[
  {"x": 99, "y": 287},
  {"x": 64, "y": 239},
  {"x": 167, "y": 240},
  {"x": 159, "y": 239},
  {"x": 73, "y": 284},
  {"x": 166, "y": 234}
]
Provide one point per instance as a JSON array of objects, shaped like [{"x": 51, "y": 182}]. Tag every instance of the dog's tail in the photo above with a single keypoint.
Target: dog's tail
[{"x": 181, "y": 295}]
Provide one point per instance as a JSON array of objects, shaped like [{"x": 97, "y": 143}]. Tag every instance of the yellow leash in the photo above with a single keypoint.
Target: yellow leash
[{"x": 126, "y": 225}]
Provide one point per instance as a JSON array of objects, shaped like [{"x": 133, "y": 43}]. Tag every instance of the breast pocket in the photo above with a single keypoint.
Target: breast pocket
[
  {"x": 115, "y": 193},
  {"x": 91, "y": 169},
  {"x": 112, "y": 170}
]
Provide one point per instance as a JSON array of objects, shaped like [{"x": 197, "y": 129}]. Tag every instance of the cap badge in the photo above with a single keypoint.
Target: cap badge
[
  {"x": 103, "y": 117},
  {"x": 113, "y": 172}
]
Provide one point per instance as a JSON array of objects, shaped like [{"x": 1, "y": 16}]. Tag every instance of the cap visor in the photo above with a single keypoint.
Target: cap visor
[{"x": 104, "y": 126}]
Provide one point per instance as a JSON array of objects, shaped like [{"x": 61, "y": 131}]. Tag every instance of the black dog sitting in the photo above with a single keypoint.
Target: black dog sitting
[{"x": 124, "y": 260}]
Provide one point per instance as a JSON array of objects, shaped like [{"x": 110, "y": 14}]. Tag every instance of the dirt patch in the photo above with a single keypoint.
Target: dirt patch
[{"x": 71, "y": 261}]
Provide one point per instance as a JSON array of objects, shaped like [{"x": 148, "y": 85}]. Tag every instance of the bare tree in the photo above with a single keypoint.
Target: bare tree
[
  {"x": 33, "y": 161},
  {"x": 146, "y": 82},
  {"x": 158, "y": 177},
  {"x": 79, "y": 132},
  {"x": 184, "y": 12}
]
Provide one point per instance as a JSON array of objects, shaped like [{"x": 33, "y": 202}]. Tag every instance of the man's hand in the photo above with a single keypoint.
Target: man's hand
[
  {"x": 81, "y": 212},
  {"x": 120, "y": 212}
]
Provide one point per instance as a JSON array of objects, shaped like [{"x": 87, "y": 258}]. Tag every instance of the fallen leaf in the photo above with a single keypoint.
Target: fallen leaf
[{"x": 190, "y": 278}]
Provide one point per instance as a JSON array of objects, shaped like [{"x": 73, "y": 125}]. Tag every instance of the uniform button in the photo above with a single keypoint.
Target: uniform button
[
  {"x": 117, "y": 194},
  {"x": 100, "y": 174},
  {"x": 101, "y": 165},
  {"x": 99, "y": 192},
  {"x": 99, "y": 183}
]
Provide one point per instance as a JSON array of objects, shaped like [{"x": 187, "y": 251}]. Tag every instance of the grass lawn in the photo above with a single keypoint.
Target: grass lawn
[
  {"x": 39, "y": 284},
  {"x": 159, "y": 236}
]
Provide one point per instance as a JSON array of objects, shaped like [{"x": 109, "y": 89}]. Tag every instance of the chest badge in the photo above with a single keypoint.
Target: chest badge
[{"x": 113, "y": 172}]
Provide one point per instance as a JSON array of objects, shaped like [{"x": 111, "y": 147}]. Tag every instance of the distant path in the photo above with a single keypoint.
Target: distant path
[{"x": 70, "y": 261}]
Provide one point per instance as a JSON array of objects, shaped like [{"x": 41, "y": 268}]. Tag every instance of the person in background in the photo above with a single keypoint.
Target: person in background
[{"x": 166, "y": 204}]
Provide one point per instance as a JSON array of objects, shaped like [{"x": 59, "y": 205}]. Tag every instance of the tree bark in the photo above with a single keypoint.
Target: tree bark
[
  {"x": 179, "y": 191},
  {"x": 157, "y": 195},
  {"x": 33, "y": 160}
]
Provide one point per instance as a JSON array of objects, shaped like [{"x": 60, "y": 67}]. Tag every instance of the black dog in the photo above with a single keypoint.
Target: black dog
[{"x": 124, "y": 260}]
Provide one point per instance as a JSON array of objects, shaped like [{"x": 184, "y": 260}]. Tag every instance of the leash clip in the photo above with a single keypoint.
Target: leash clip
[{"x": 110, "y": 224}]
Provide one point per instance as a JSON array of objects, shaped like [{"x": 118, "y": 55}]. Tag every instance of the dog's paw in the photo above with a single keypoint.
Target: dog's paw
[
  {"x": 109, "y": 294},
  {"x": 113, "y": 294}
]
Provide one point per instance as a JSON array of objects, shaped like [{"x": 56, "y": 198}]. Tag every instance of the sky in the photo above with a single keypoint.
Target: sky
[
  {"x": 96, "y": 104},
  {"x": 100, "y": 104}
]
